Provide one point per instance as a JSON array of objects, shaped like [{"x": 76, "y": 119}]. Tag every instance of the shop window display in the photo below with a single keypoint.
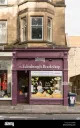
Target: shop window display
[
  {"x": 5, "y": 88},
  {"x": 46, "y": 87}
]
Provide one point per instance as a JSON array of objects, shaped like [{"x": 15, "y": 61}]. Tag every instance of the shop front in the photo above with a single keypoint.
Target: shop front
[
  {"x": 5, "y": 77},
  {"x": 40, "y": 76}
]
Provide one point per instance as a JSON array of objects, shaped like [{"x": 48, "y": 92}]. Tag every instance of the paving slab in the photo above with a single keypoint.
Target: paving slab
[{"x": 37, "y": 109}]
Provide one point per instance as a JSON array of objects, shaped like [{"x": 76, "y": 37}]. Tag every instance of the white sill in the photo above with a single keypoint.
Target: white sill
[
  {"x": 36, "y": 39},
  {"x": 3, "y": 4},
  {"x": 5, "y": 98}
]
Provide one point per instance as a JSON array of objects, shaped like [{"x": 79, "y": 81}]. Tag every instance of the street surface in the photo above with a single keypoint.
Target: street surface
[{"x": 39, "y": 116}]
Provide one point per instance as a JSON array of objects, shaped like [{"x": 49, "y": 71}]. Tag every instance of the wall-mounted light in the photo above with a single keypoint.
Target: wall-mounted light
[{"x": 50, "y": 59}]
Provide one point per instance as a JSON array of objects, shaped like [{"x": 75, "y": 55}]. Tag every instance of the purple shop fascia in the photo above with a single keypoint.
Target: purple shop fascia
[{"x": 31, "y": 60}]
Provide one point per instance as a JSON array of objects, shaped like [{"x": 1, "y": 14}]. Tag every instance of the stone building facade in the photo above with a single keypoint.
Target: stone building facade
[
  {"x": 74, "y": 65},
  {"x": 13, "y": 11},
  {"x": 32, "y": 34}
]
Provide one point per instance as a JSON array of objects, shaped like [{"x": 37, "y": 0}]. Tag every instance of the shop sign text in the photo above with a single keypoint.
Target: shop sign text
[{"x": 24, "y": 66}]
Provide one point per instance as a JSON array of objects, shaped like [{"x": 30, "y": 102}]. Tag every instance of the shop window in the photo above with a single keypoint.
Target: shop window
[
  {"x": 5, "y": 87},
  {"x": 36, "y": 28},
  {"x": 3, "y": 2},
  {"x": 46, "y": 86},
  {"x": 49, "y": 29},
  {"x": 23, "y": 29},
  {"x": 3, "y": 32}
]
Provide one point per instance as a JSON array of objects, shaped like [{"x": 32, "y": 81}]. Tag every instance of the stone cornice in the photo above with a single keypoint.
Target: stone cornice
[
  {"x": 36, "y": 10},
  {"x": 56, "y": 4},
  {"x": 24, "y": 48},
  {"x": 35, "y": 1}
]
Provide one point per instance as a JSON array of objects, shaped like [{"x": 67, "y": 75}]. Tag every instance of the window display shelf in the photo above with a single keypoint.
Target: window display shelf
[
  {"x": 46, "y": 98},
  {"x": 5, "y": 98}
]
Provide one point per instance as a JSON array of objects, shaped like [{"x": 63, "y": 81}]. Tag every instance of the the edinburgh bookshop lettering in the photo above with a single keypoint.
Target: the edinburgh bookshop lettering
[{"x": 26, "y": 66}]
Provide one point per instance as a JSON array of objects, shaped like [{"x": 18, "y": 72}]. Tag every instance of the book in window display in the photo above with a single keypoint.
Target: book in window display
[{"x": 46, "y": 87}]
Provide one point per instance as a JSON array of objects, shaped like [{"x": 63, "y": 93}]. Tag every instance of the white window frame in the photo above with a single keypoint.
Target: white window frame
[
  {"x": 46, "y": 73},
  {"x": 23, "y": 27},
  {"x": 49, "y": 28},
  {"x": 6, "y": 32},
  {"x": 50, "y": 0},
  {"x": 34, "y": 25},
  {"x": 5, "y": 2}
]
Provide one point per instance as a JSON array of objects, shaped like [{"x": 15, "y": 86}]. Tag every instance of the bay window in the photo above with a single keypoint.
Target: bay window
[{"x": 37, "y": 28}]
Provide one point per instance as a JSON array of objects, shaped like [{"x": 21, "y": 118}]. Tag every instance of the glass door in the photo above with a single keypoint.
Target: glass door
[{"x": 23, "y": 86}]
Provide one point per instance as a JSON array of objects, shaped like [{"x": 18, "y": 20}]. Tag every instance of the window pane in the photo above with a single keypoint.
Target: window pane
[
  {"x": 46, "y": 87},
  {"x": 23, "y": 30},
  {"x": 24, "y": 22},
  {"x": 2, "y": 1},
  {"x": 49, "y": 29},
  {"x": 24, "y": 34},
  {"x": 49, "y": 34},
  {"x": 49, "y": 22},
  {"x": 36, "y": 32},
  {"x": 2, "y": 24},
  {"x": 3, "y": 37},
  {"x": 5, "y": 87},
  {"x": 36, "y": 21},
  {"x": 3, "y": 31}
]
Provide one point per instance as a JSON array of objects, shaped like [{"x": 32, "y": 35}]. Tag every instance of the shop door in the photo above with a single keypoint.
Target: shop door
[{"x": 23, "y": 86}]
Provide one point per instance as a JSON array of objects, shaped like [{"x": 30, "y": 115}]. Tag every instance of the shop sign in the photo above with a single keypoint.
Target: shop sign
[
  {"x": 46, "y": 73},
  {"x": 24, "y": 66}
]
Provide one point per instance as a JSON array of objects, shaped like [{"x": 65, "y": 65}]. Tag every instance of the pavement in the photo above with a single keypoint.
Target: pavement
[
  {"x": 39, "y": 109},
  {"x": 40, "y": 116}
]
